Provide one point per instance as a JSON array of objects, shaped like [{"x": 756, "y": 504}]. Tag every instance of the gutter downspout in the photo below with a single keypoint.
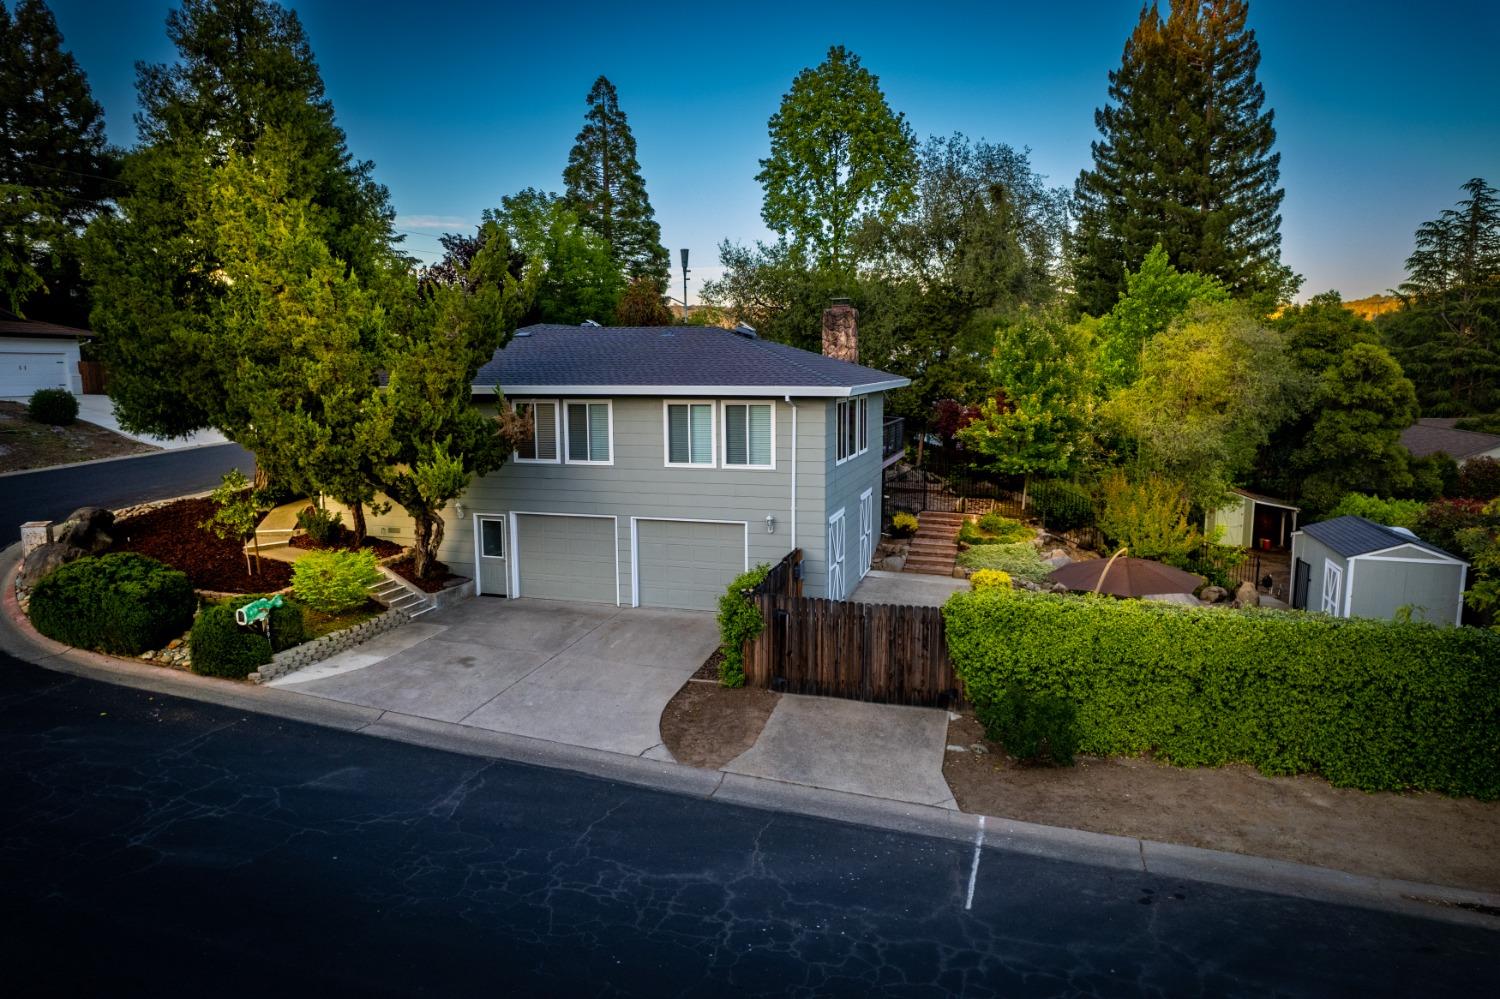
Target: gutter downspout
[{"x": 792, "y": 404}]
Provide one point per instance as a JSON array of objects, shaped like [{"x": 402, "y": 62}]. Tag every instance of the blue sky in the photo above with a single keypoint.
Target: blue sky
[{"x": 1383, "y": 109}]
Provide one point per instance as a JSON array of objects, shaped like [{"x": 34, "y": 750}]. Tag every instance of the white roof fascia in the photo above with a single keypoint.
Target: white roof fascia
[{"x": 700, "y": 391}]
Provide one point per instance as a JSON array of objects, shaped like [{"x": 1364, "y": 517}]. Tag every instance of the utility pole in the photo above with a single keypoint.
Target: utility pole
[{"x": 685, "y": 273}]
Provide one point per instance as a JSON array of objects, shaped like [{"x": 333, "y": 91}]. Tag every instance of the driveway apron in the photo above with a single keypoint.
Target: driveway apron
[{"x": 585, "y": 674}]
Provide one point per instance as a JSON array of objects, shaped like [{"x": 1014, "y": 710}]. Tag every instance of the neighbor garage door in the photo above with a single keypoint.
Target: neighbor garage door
[
  {"x": 681, "y": 564},
  {"x": 567, "y": 558},
  {"x": 22, "y": 374}
]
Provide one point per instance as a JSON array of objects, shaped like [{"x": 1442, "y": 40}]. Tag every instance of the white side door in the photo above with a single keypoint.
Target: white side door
[
  {"x": 866, "y": 530},
  {"x": 836, "y": 538},
  {"x": 1333, "y": 589}
]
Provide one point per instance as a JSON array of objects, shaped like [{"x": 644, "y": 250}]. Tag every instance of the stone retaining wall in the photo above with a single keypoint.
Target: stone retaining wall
[{"x": 319, "y": 649}]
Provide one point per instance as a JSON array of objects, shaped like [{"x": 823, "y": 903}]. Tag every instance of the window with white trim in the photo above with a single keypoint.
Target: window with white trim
[
  {"x": 852, "y": 426},
  {"x": 748, "y": 435},
  {"x": 1333, "y": 589},
  {"x": 588, "y": 432},
  {"x": 541, "y": 446},
  {"x": 690, "y": 433}
]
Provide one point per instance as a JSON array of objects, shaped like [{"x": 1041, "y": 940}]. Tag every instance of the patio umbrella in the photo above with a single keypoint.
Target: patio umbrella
[{"x": 1127, "y": 577}]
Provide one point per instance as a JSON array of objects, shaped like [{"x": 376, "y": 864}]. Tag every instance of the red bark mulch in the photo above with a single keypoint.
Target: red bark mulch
[
  {"x": 341, "y": 543},
  {"x": 438, "y": 578},
  {"x": 172, "y": 534}
]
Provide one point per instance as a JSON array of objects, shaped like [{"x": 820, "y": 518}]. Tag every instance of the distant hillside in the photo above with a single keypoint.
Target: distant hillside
[{"x": 1375, "y": 305}]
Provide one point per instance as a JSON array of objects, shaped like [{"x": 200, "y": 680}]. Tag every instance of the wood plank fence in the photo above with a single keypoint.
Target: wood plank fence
[{"x": 891, "y": 653}]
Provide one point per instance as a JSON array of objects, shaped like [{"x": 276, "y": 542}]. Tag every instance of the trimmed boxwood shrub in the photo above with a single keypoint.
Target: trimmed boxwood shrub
[
  {"x": 53, "y": 405},
  {"x": 1031, "y": 727},
  {"x": 223, "y": 648},
  {"x": 1376, "y": 705},
  {"x": 122, "y": 603},
  {"x": 334, "y": 581},
  {"x": 288, "y": 622},
  {"x": 739, "y": 621}
]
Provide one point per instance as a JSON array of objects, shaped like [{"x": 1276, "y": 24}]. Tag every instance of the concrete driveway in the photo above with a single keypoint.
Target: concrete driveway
[{"x": 585, "y": 674}]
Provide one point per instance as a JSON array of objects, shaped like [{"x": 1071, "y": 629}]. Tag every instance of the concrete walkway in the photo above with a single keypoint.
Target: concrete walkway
[
  {"x": 588, "y": 675},
  {"x": 908, "y": 588},
  {"x": 879, "y": 750},
  {"x": 100, "y": 411}
]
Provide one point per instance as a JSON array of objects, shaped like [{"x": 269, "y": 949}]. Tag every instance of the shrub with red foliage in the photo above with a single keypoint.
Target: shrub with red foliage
[
  {"x": 1479, "y": 479},
  {"x": 1443, "y": 519}
]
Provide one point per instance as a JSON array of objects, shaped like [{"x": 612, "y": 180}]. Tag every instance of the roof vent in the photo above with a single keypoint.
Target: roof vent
[
  {"x": 1405, "y": 532},
  {"x": 588, "y": 322},
  {"x": 747, "y": 331},
  {"x": 523, "y": 332}
]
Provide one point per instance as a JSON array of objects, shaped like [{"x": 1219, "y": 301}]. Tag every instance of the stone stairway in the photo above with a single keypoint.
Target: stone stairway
[
  {"x": 397, "y": 594},
  {"x": 935, "y": 546}
]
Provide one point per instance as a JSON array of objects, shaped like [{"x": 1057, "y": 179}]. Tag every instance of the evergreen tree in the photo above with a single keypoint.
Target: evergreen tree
[
  {"x": 607, "y": 193},
  {"x": 55, "y": 167},
  {"x": 839, "y": 155},
  {"x": 1447, "y": 334},
  {"x": 1185, "y": 160}
]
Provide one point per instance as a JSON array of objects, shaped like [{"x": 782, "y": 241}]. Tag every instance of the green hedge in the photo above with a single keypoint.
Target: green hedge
[
  {"x": 1369, "y": 704},
  {"x": 739, "y": 620},
  {"x": 122, "y": 603},
  {"x": 222, "y": 648},
  {"x": 53, "y": 405}
]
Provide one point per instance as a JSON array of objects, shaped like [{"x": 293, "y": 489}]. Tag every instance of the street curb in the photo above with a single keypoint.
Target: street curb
[
  {"x": 119, "y": 457},
  {"x": 1123, "y": 853}
]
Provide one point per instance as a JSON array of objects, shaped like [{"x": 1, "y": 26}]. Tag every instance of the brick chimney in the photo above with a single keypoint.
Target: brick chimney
[{"x": 841, "y": 331}]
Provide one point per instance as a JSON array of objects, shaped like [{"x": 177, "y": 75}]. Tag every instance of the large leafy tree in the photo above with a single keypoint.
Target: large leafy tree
[
  {"x": 578, "y": 279},
  {"x": 839, "y": 155},
  {"x": 56, "y": 170},
  {"x": 1212, "y": 387},
  {"x": 163, "y": 266},
  {"x": 1447, "y": 335},
  {"x": 1037, "y": 422},
  {"x": 1155, "y": 296},
  {"x": 604, "y": 188},
  {"x": 1185, "y": 159}
]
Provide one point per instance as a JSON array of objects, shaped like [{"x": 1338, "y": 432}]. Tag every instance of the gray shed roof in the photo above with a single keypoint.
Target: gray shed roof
[
  {"x": 1433, "y": 435},
  {"x": 1350, "y": 536},
  {"x": 669, "y": 360}
]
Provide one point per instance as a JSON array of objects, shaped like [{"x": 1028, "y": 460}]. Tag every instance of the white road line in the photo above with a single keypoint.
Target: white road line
[{"x": 974, "y": 869}]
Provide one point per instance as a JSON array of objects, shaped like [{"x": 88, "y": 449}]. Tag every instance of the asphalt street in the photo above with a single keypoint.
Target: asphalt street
[
  {"x": 151, "y": 845},
  {"x": 53, "y": 493}
]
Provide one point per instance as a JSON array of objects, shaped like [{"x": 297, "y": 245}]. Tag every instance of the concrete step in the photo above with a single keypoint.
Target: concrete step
[{"x": 937, "y": 564}]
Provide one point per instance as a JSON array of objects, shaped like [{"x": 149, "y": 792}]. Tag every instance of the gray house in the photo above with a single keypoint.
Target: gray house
[
  {"x": 1353, "y": 567},
  {"x": 664, "y": 461}
]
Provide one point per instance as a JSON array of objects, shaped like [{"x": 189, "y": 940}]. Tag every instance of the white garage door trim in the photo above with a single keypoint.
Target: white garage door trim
[
  {"x": 515, "y": 545},
  {"x": 635, "y": 546}
]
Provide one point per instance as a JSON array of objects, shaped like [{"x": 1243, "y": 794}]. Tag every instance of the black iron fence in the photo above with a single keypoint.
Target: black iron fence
[{"x": 892, "y": 437}]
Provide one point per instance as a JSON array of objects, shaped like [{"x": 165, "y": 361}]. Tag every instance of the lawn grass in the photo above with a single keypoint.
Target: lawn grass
[{"x": 320, "y": 623}]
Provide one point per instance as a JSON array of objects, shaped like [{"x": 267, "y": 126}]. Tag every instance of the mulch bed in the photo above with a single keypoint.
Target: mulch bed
[
  {"x": 438, "y": 580},
  {"x": 171, "y": 534},
  {"x": 341, "y": 543},
  {"x": 706, "y": 725},
  {"x": 710, "y": 668}
]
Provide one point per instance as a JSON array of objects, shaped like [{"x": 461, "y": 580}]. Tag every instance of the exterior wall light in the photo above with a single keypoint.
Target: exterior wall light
[{"x": 770, "y": 524}]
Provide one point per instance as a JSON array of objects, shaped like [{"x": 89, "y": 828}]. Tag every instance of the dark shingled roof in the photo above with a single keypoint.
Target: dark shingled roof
[
  {"x": 1433, "y": 435},
  {"x": 13, "y": 325},
  {"x": 607, "y": 357},
  {"x": 1351, "y": 536}
]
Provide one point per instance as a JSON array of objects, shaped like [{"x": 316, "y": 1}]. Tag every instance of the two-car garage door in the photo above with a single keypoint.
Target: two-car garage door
[{"x": 683, "y": 564}]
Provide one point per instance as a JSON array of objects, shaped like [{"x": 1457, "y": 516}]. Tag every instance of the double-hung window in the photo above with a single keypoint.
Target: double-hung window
[
  {"x": 588, "y": 432},
  {"x": 748, "y": 435},
  {"x": 852, "y": 427},
  {"x": 541, "y": 445},
  {"x": 690, "y": 433}
]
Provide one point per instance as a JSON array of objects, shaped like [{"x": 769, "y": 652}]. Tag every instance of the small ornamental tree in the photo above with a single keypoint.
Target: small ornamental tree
[{"x": 236, "y": 513}]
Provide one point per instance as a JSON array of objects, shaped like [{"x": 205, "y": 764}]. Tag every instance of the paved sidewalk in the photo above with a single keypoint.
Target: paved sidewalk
[{"x": 100, "y": 411}]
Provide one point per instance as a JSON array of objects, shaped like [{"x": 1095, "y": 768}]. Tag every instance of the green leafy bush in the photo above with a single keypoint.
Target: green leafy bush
[
  {"x": 1150, "y": 517},
  {"x": 1392, "y": 512},
  {"x": 1062, "y": 505},
  {"x": 320, "y": 525},
  {"x": 222, "y": 648},
  {"x": 1479, "y": 479},
  {"x": 334, "y": 581},
  {"x": 1031, "y": 726},
  {"x": 1020, "y": 560},
  {"x": 288, "y": 622},
  {"x": 986, "y": 579},
  {"x": 122, "y": 603},
  {"x": 53, "y": 405},
  {"x": 1369, "y": 704},
  {"x": 993, "y": 529},
  {"x": 739, "y": 621}
]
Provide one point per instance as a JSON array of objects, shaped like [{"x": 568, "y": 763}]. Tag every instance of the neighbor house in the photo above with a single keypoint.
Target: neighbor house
[
  {"x": 665, "y": 461},
  {"x": 1250, "y": 520},
  {"x": 1354, "y": 567},
  {"x": 1438, "y": 435},
  {"x": 36, "y": 355}
]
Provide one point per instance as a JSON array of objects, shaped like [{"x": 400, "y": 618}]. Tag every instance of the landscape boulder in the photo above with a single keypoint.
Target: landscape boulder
[
  {"x": 45, "y": 560},
  {"x": 1213, "y": 594},
  {"x": 87, "y": 528},
  {"x": 893, "y": 563},
  {"x": 1246, "y": 595}
]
